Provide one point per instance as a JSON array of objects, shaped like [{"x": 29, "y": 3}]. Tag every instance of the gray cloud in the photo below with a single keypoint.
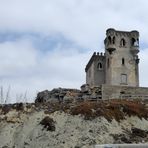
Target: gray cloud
[
  {"x": 81, "y": 21},
  {"x": 25, "y": 68},
  {"x": 71, "y": 27}
]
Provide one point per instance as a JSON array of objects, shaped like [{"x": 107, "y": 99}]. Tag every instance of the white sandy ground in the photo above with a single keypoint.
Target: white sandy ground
[{"x": 21, "y": 130}]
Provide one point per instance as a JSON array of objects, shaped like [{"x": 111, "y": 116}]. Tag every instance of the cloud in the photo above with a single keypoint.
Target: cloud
[
  {"x": 16, "y": 57},
  {"x": 143, "y": 71},
  {"x": 25, "y": 69},
  {"x": 17, "y": 60},
  {"x": 81, "y": 21},
  {"x": 46, "y": 44}
]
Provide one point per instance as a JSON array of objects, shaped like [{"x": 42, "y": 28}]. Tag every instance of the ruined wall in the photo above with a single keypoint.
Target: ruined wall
[{"x": 124, "y": 92}]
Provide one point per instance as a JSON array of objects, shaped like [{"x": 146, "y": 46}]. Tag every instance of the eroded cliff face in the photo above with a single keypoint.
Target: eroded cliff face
[{"x": 73, "y": 125}]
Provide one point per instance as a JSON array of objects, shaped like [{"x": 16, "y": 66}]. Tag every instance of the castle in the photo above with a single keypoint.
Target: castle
[
  {"x": 116, "y": 72},
  {"x": 119, "y": 64}
]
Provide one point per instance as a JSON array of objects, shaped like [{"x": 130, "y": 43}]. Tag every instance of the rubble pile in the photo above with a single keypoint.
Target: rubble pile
[{"x": 69, "y": 95}]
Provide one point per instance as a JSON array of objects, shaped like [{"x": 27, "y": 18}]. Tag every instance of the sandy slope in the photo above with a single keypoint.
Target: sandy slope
[{"x": 23, "y": 130}]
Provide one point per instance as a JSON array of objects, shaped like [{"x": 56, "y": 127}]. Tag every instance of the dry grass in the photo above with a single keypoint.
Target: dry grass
[{"x": 112, "y": 109}]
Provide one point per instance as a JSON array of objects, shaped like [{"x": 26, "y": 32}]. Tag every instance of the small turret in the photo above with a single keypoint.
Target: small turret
[{"x": 110, "y": 40}]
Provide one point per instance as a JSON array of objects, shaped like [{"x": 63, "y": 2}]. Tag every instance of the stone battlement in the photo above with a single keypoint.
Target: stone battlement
[
  {"x": 99, "y": 54},
  {"x": 96, "y": 55},
  {"x": 113, "y": 32}
]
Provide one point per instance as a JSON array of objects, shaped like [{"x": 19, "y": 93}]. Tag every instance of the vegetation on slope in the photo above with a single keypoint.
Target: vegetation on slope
[{"x": 110, "y": 109}]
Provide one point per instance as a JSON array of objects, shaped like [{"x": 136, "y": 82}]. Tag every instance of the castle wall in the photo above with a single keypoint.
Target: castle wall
[
  {"x": 124, "y": 92},
  {"x": 99, "y": 73},
  {"x": 116, "y": 69},
  {"x": 90, "y": 75},
  {"x": 95, "y": 71}
]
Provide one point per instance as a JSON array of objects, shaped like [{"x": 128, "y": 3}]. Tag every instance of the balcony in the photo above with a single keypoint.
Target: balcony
[
  {"x": 110, "y": 48},
  {"x": 134, "y": 49}
]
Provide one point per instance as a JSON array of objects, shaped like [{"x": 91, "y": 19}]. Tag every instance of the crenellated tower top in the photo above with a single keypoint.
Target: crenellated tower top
[{"x": 121, "y": 39}]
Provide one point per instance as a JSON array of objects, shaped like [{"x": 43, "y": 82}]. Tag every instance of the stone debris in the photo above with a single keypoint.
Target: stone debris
[
  {"x": 57, "y": 95},
  {"x": 69, "y": 95}
]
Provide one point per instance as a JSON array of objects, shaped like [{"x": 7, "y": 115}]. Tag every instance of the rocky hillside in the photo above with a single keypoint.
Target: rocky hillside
[{"x": 73, "y": 124}]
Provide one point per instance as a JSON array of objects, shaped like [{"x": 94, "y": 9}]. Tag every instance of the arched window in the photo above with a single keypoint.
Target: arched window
[
  {"x": 113, "y": 40},
  {"x": 109, "y": 40},
  {"x": 108, "y": 63},
  {"x": 138, "y": 42},
  {"x": 122, "y": 43},
  {"x": 135, "y": 42},
  {"x": 123, "y": 62},
  {"x": 99, "y": 66}
]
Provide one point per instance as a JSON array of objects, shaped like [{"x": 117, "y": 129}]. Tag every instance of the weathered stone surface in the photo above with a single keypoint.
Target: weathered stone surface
[
  {"x": 42, "y": 96},
  {"x": 94, "y": 93},
  {"x": 57, "y": 94},
  {"x": 124, "y": 92}
]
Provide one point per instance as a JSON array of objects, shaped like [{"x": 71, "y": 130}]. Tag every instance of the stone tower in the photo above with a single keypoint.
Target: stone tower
[
  {"x": 119, "y": 64},
  {"x": 121, "y": 48}
]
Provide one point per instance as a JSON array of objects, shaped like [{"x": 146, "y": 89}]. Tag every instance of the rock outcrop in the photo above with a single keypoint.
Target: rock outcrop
[
  {"x": 57, "y": 95},
  {"x": 69, "y": 95}
]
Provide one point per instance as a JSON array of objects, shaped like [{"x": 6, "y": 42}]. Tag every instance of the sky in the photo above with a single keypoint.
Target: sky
[{"x": 46, "y": 44}]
